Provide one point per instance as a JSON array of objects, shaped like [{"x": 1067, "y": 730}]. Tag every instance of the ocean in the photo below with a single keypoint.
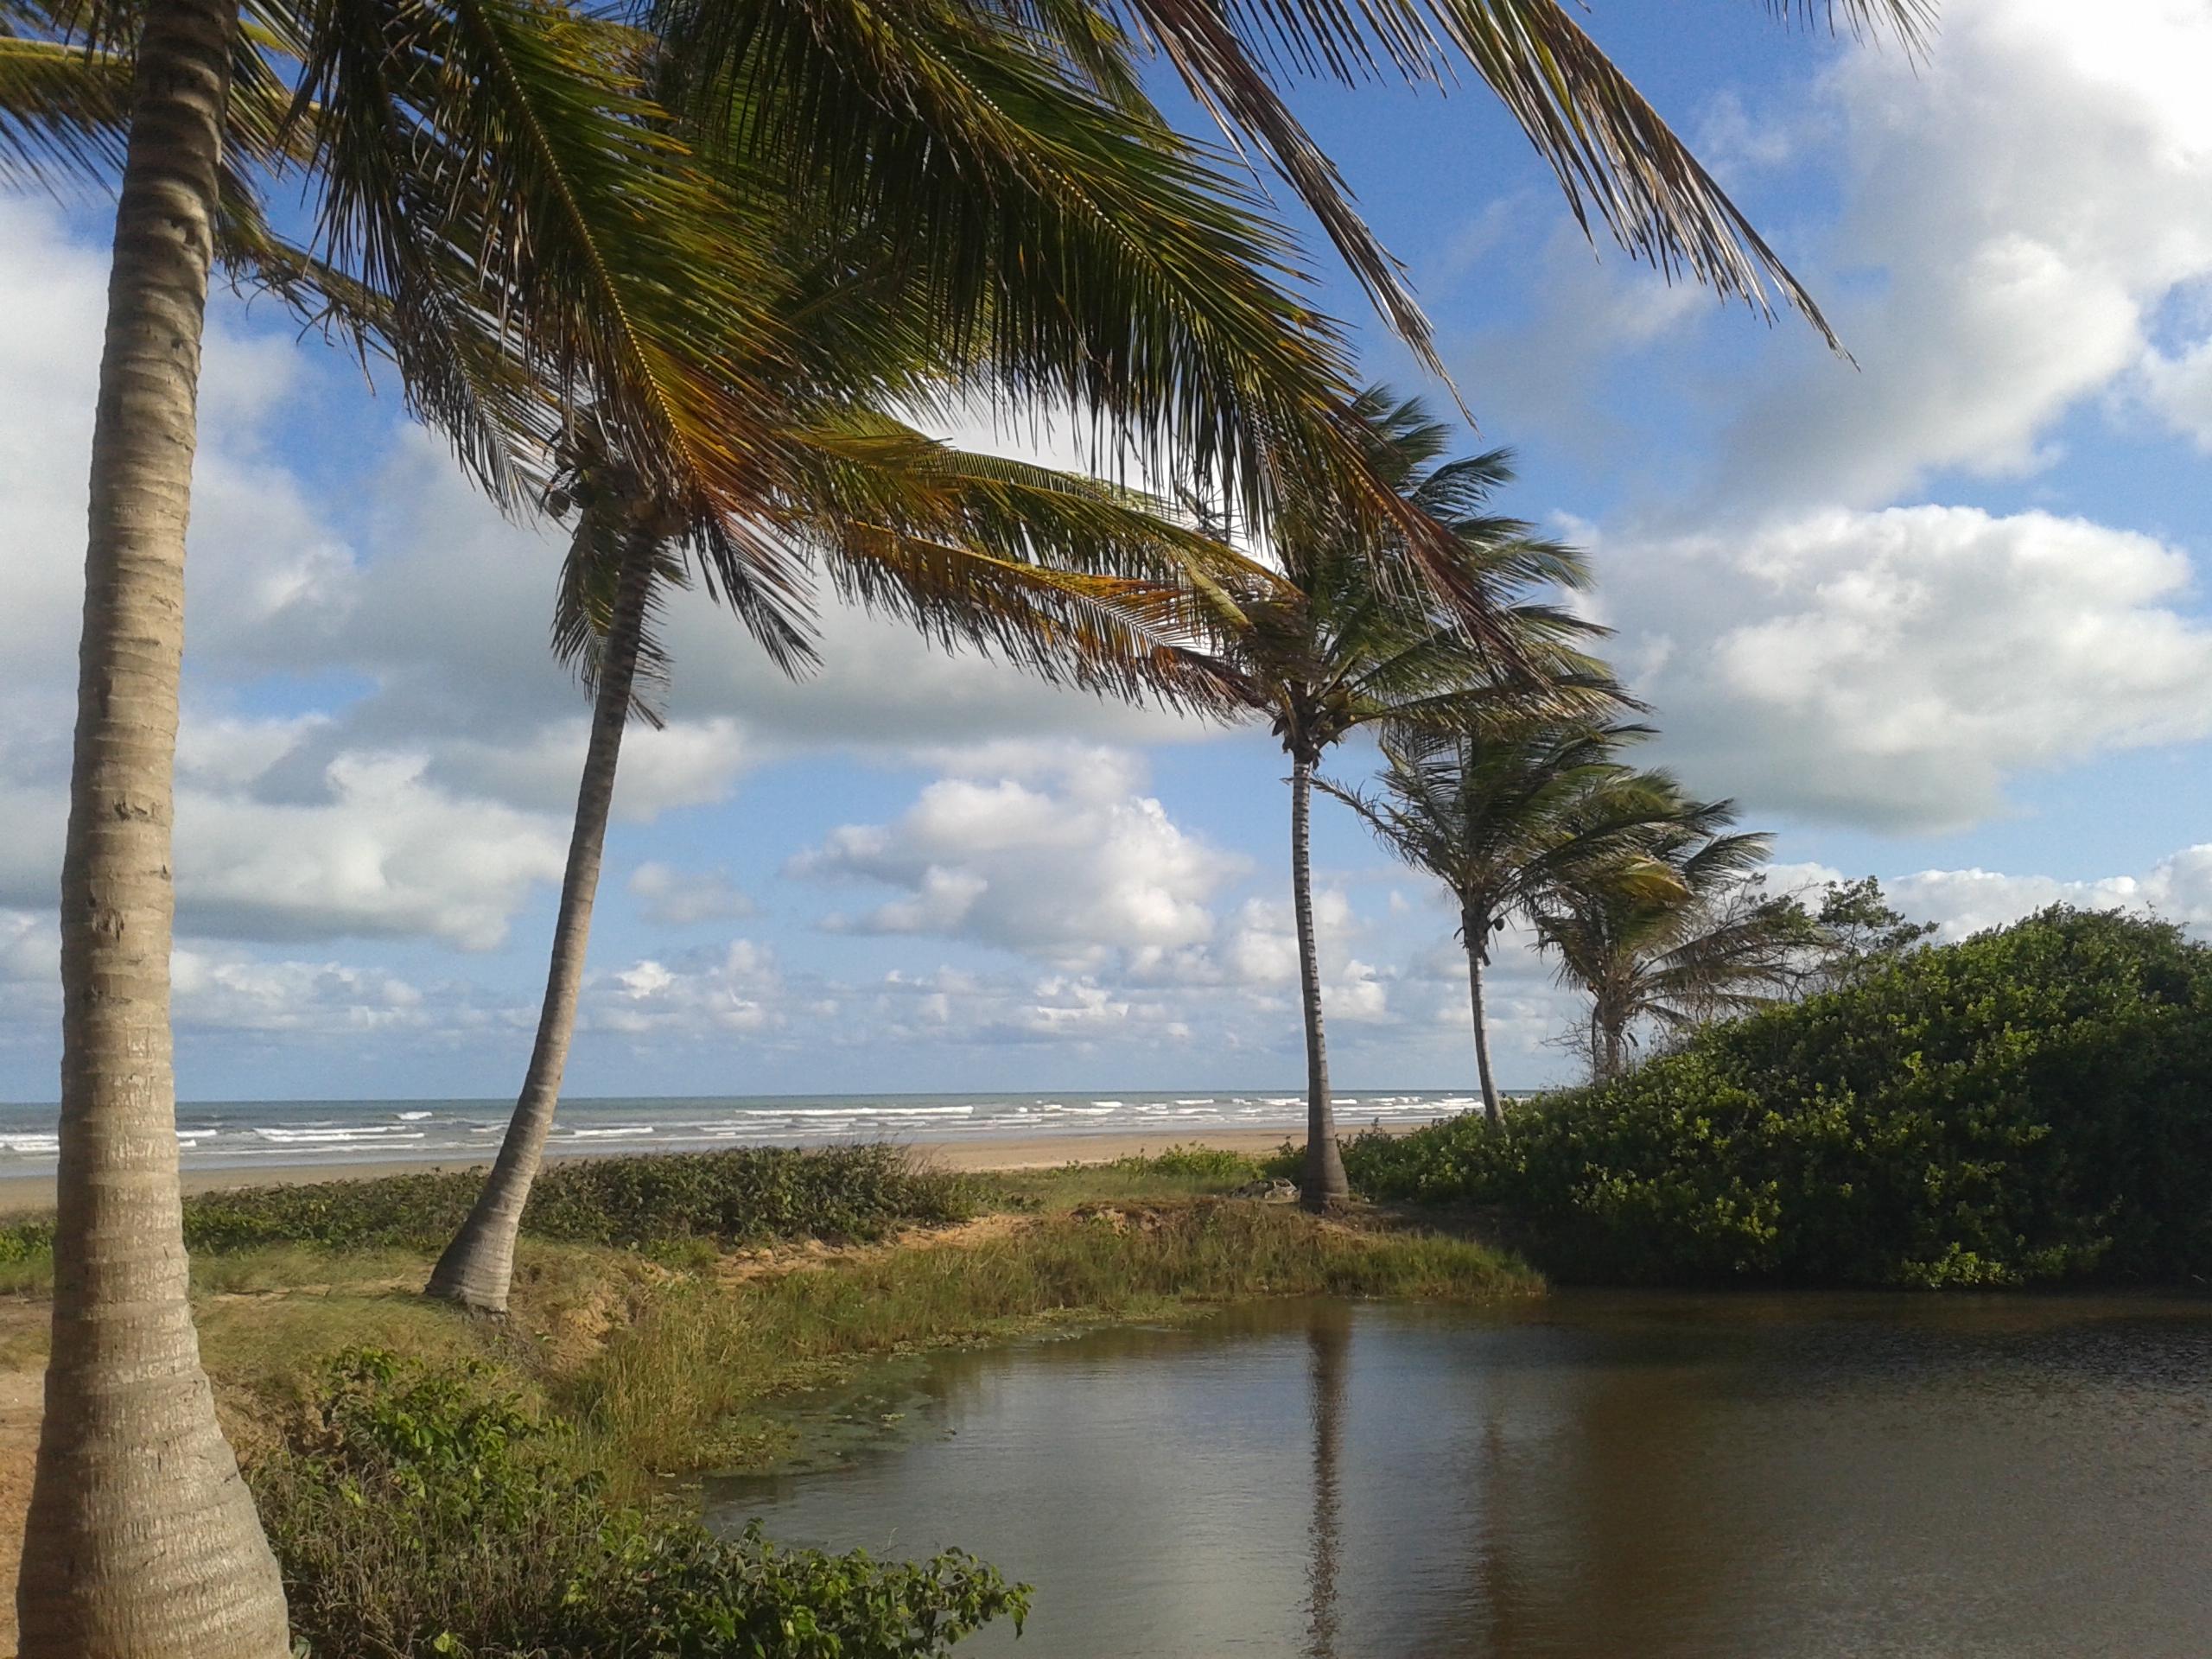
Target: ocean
[{"x": 217, "y": 1135}]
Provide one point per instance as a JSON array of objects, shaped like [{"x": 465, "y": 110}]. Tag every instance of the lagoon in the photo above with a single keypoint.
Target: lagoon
[{"x": 1578, "y": 1477}]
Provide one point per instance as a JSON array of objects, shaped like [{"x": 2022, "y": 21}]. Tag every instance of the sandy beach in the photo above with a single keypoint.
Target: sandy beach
[{"x": 20, "y": 1194}]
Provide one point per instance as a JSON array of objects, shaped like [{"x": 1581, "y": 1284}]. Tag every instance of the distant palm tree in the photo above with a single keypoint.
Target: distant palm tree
[
  {"x": 1340, "y": 646},
  {"x": 1716, "y": 945},
  {"x": 1508, "y": 814}
]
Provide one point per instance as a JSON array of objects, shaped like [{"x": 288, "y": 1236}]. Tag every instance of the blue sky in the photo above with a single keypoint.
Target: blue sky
[{"x": 1937, "y": 617}]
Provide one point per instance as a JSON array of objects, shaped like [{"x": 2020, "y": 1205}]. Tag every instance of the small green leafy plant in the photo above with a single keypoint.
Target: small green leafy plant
[{"x": 416, "y": 1510}]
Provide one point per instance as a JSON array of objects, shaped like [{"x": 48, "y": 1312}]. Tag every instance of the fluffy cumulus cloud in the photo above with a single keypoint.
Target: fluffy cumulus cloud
[
  {"x": 2178, "y": 888},
  {"x": 736, "y": 990},
  {"x": 1924, "y": 654},
  {"x": 1071, "y": 863},
  {"x": 2020, "y": 239},
  {"x": 2018, "y": 211}
]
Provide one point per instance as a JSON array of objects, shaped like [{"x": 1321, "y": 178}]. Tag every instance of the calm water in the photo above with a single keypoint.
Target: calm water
[{"x": 1593, "y": 1476}]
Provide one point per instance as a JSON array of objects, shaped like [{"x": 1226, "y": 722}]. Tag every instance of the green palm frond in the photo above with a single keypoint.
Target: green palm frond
[
  {"x": 63, "y": 113},
  {"x": 494, "y": 168},
  {"x": 1619, "y": 163},
  {"x": 1154, "y": 296}
]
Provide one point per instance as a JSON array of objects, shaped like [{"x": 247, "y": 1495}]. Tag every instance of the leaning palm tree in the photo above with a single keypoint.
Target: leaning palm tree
[
  {"x": 1073, "y": 580},
  {"x": 500, "y": 212},
  {"x": 1340, "y": 648},
  {"x": 1645, "y": 955},
  {"x": 1507, "y": 814}
]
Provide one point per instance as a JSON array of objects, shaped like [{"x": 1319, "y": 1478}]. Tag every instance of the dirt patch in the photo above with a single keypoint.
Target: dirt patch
[
  {"x": 768, "y": 1261},
  {"x": 23, "y": 1399}
]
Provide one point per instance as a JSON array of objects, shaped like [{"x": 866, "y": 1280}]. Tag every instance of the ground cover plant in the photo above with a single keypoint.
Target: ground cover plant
[
  {"x": 2030, "y": 1105},
  {"x": 418, "y": 1508},
  {"x": 741, "y": 1195},
  {"x": 685, "y": 1380}
]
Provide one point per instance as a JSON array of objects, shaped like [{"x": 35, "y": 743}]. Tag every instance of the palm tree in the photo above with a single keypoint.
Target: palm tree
[
  {"x": 1507, "y": 815},
  {"x": 1069, "y": 578},
  {"x": 499, "y": 214},
  {"x": 1340, "y": 647},
  {"x": 1716, "y": 944}
]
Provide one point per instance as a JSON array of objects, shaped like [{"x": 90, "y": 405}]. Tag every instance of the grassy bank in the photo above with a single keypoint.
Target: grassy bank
[
  {"x": 682, "y": 1383},
  {"x": 516, "y": 1486}
]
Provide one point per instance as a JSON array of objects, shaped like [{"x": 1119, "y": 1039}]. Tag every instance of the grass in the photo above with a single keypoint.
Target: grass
[
  {"x": 719, "y": 1284},
  {"x": 686, "y": 1384},
  {"x": 1179, "y": 1172}
]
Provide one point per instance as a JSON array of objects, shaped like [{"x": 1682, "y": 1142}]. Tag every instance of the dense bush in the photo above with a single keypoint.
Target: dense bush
[
  {"x": 756, "y": 1192},
  {"x": 2032, "y": 1104},
  {"x": 417, "y": 1512}
]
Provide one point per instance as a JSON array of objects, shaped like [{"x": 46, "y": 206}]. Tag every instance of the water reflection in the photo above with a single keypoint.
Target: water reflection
[
  {"x": 1328, "y": 1340},
  {"x": 1670, "y": 1477}
]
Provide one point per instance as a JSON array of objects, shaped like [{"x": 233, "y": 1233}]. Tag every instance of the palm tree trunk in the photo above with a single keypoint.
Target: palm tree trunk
[
  {"x": 1477, "y": 927},
  {"x": 1325, "y": 1183},
  {"x": 478, "y": 1268},
  {"x": 142, "y": 1539}
]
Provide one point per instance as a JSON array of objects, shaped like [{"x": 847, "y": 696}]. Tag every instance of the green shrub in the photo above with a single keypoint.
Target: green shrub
[
  {"x": 2029, "y": 1105},
  {"x": 26, "y": 1241},
  {"x": 744, "y": 1194},
  {"x": 1208, "y": 1164},
  {"x": 417, "y": 1511}
]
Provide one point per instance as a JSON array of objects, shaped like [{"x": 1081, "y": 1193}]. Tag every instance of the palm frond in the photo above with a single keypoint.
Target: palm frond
[{"x": 1619, "y": 162}]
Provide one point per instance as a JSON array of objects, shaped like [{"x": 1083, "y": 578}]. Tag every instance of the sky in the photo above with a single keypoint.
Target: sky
[{"x": 1932, "y": 614}]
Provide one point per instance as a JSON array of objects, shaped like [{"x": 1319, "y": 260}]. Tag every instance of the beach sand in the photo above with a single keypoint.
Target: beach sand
[{"x": 20, "y": 1194}]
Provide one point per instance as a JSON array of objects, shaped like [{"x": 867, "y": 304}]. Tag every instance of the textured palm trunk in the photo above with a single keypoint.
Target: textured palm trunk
[
  {"x": 1476, "y": 926},
  {"x": 142, "y": 1540},
  {"x": 1608, "y": 1042},
  {"x": 478, "y": 1268},
  {"x": 1324, "y": 1183}
]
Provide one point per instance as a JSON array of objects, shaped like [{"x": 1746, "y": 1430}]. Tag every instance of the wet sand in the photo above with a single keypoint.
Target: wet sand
[{"x": 21, "y": 1193}]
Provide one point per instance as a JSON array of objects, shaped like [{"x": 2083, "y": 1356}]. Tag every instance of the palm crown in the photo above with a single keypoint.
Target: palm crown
[{"x": 1711, "y": 943}]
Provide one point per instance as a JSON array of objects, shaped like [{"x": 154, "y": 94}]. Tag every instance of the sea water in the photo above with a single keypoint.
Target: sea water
[{"x": 213, "y": 1134}]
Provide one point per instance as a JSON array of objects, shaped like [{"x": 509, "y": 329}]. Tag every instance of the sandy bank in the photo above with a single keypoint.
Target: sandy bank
[{"x": 19, "y": 1194}]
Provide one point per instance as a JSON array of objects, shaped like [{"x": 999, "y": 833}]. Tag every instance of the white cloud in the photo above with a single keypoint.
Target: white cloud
[
  {"x": 2179, "y": 888},
  {"x": 684, "y": 898},
  {"x": 738, "y": 992},
  {"x": 1077, "y": 870},
  {"x": 1894, "y": 667},
  {"x": 2017, "y": 209},
  {"x": 228, "y": 991}
]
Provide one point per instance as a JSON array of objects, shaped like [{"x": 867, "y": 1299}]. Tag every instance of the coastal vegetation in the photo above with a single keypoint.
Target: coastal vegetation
[
  {"x": 418, "y": 1508},
  {"x": 520, "y": 1487},
  {"x": 537, "y": 217},
  {"x": 2023, "y": 1106},
  {"x": 1345, "y": 646}
]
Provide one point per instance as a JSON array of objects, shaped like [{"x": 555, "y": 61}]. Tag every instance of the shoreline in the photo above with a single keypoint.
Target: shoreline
[{"x": 29, "y": 1193}]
